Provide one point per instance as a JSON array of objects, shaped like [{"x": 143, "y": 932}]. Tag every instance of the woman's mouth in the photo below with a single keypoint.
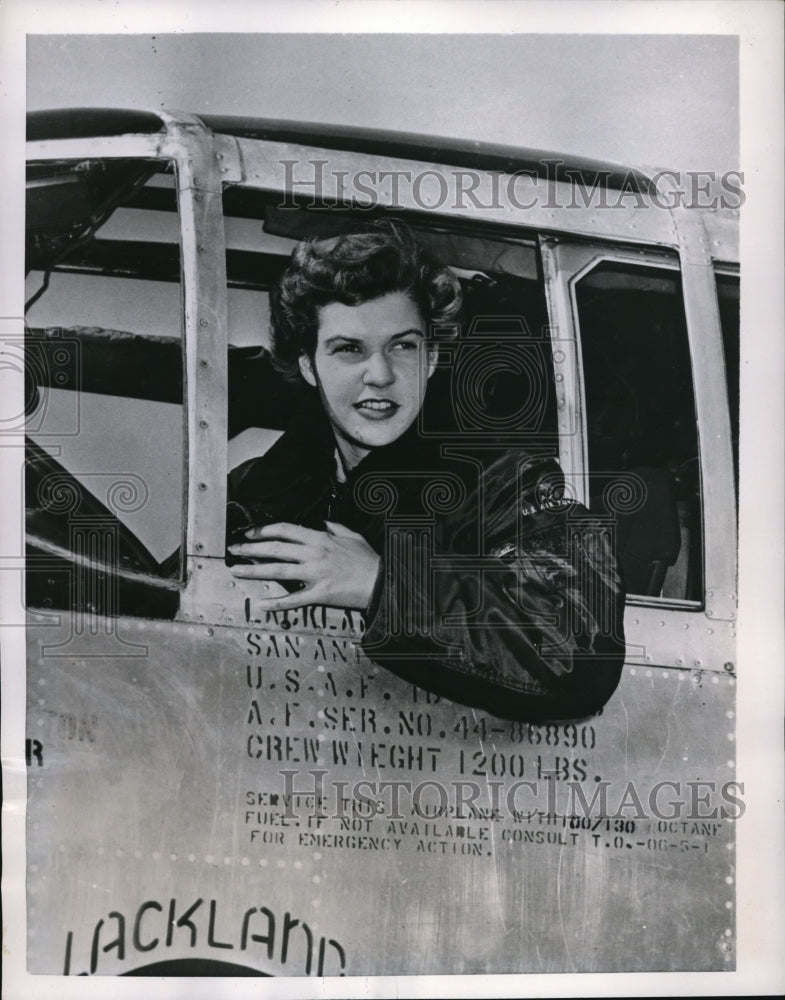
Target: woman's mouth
[{"x": 376, "y": 409}]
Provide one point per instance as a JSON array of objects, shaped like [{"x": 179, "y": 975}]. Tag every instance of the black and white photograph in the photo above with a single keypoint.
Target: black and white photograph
[{"x": 378, "y": 600}]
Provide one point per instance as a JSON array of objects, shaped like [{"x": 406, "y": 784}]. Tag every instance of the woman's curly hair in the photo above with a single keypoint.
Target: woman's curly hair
[{"x": 353, "y": 268}]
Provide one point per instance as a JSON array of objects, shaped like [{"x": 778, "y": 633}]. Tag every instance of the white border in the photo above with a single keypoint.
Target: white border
[{"x": 761, "y": 880}]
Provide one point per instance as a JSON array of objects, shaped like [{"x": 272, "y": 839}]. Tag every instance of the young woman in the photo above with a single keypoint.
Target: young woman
[{"x": 477, "y": 579}]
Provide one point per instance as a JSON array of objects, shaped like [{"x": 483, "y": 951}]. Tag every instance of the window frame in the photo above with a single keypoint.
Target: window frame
[
  {"x": 724, "y": 269},
  {"x": 665, "y": 631},
  {"x": 156, "y": 147}
]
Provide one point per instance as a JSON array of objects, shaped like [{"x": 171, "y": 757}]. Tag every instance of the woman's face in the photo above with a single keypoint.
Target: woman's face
[{"x": 371, "y": 369}]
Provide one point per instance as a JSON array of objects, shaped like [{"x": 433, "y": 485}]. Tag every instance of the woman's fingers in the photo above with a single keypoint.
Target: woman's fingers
[
  {"x": 289, "y": 601},
  {"x": 335, "y": 567},
  {"x": 285, "y": 532},
  {"x": 268, "y": 571},
  {"x": 285, "y": 551}
]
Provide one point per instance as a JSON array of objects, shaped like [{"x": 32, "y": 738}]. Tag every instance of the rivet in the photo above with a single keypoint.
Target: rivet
[
  {"x": 202, "y": 322},
  {"x": 211, "y": 631},
  {"x": 202, "y": 486},
  {"x": 203, "y": 424},
  {"x": 199, "y": 546},
  {"x": 202, "y": 363},
  {"x": 201, "y": 249}
]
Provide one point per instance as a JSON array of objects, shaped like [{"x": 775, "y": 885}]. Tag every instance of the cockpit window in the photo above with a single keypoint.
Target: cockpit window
[
  {"x": 641, "y": 422},
  {"x": 104, "y": 366}
]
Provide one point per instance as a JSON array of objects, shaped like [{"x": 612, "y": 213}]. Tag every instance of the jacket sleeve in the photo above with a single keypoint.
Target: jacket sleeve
[{"x": 521, "y": 616}]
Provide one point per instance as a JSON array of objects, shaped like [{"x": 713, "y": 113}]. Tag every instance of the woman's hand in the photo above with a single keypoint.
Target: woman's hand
[{"x": 337, "y": 567}]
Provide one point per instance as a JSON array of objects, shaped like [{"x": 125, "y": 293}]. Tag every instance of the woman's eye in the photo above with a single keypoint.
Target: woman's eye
[
  {"x": 346, "y": 349},
  {"x": 406, "y": 345}
]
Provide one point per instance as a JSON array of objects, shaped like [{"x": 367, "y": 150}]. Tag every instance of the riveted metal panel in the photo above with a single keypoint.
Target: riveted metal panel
[
  {"x": 205, "y": 310},
  {"x": 701, "y": 311},
  {"x": 161, "y": 826}
]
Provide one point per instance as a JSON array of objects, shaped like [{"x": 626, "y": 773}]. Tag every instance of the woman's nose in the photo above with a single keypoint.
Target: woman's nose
[{"x": 378, "y": 370}]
